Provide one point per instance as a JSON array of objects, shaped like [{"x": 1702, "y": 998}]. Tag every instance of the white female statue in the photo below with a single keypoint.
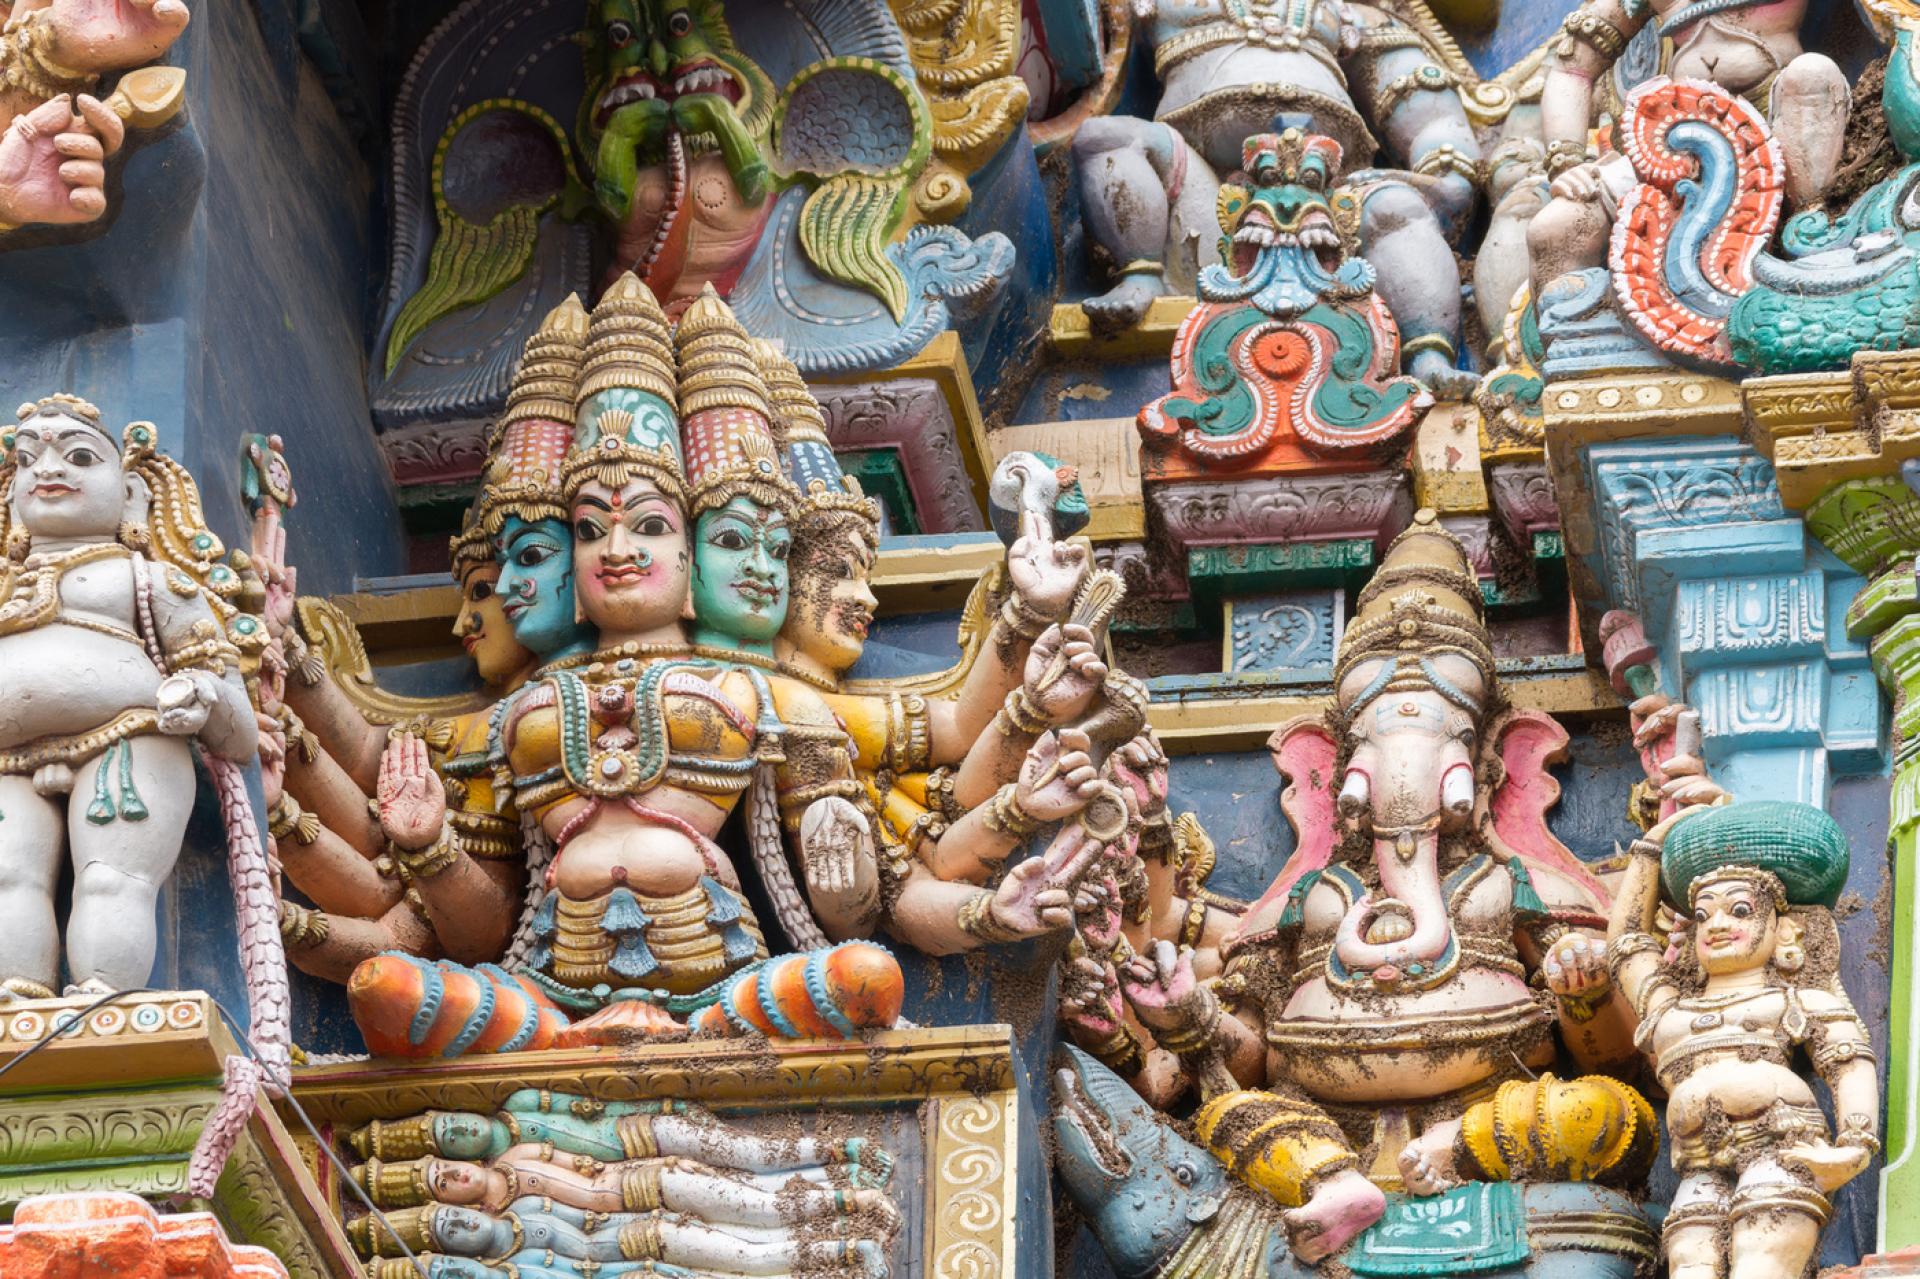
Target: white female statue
[{"x": 118, "y": 644}]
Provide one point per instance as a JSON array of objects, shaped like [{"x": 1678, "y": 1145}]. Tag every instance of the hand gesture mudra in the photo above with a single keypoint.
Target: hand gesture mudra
[
  {"x": 833, "y": 836},
  {"x": 412, "y": 802},
  {"x": 1047, "y": 573}
]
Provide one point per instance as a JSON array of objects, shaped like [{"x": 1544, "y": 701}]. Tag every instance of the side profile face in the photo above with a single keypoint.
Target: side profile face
[
  {"x": 833, "y": 604},
  {"x": 740, "y": 574},
  {"x": 69, "y": 481},
  {"x": 630, "y": 558},
  {"x": 482, "y": 626},
  {"x": 536, "y": 585},
  {"x": 1735, "y": 926},
  {"x": 456, "y": 1182}
]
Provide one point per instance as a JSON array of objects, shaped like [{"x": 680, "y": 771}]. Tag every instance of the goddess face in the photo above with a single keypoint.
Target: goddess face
[
  {"x": 536, "y": 583},
  {"x": 482, "y": 626},
  {"x": 832, "y": 607},
  {"x": 451, "y": 1181},
  {"x": 630, "y": 557},
  {"x": 69, "y": 480},
  {"x": 740, "y": 571},
  {"x": 1735, "y": 926}
]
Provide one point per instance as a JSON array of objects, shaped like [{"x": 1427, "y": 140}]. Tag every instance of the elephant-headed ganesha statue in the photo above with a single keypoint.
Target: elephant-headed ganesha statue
[{"x": 1376, "y": 1002}]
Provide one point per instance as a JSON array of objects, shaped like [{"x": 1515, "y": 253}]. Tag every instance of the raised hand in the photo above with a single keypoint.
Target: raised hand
[
  {"x": 1139, "y": 769},
  {"x": 412, "y": 802},
  {"x": 1057, "y": 778},
  {"x": 103, "y": 36},
  {"x": 1576, "y": 968},
  {"x": 833, "y": 836},
  {"x": 1064, "y": 671},
  {"x": 1036, "y": 897},
  {"x": 1046, "y": 573},
  {"x": 1160, "y": 985},
  {"x": 52, "y": 166},
  {"x": 1090, "y": 996}
]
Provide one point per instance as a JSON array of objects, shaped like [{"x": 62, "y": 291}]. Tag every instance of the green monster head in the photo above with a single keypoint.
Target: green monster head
[{"x": 657, "y": 67}]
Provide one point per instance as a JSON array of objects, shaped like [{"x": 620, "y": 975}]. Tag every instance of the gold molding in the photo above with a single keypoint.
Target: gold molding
[
  {"x": 1822, "y": 429},
  {"x": 721, "y": 1074}
]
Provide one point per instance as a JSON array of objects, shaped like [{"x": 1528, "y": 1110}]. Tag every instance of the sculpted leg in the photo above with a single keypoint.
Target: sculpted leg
[
  {"x": 119, "y": 864},
  {"x": 1137, "y": 178},
  {"x": 31, "y": 844},
  {"x": 1809, "y": 117},
  {"x": 1774, "y": 1223},
  {"x": 1567, "y": 235},
  {"x": 1691, "y": 1239},
  {"x": 1500, "y": 268},
  {"x": 1419, "y": 280},
  {"x": 1282, "y": 1143}
]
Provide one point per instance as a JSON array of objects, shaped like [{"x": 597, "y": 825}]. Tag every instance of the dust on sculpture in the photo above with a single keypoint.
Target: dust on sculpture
[
  {"x": 119, "y": 650},
  {"x": 1380, "y": 986},
  {"x": 1149, "y": 187},
  {"x": 57, "y": 135}
]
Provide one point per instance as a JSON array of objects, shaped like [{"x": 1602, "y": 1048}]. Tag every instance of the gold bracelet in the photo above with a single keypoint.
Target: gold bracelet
[
  {"x": 1144, "y": 266},
  {"x": 425, "y": 863},
  {"x": 940, "y": 793},
  {"x": 1021, "y": 619},
  {"x": 1449, "y": 159},
  {"x": 1590, "y": 29},
  {"x": 1003, "y": 815},
  {"x": 301, "y": 926},
  {"x": 976, "y": 920},
  {"x": 1024, "y": 715},
  {"x": 1564, "y": 154},
  {"x": 1199, "y": 1030},
  {"x": 1428, "y": 78},
  {"x": 288, "y": 818},
  {"x": 1121, "y": 1052},
  {"x": 1584, "y": 1007}
]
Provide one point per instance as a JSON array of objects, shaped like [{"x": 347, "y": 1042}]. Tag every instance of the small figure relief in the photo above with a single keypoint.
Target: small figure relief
[
  {"x": 58, "y": 135},
  {"x": 120, "y": 651},
  {"x": 1741, "y": 997},
  {"x": 568, "y": 1185},
  {"x": 1353, "y": 73}
]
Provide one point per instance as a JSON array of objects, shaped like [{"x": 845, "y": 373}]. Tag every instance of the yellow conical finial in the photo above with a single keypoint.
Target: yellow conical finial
[
  {"x": 1423, "y": 600},
  {"x": 549, "y": 367},
  {"x": 717, "y": 366},
  {"x": 796, "y": 414},
  {"x": 628, "y": 344}
]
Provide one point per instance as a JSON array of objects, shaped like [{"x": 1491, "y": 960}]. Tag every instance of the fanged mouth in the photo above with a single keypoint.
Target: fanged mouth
[
  {"x": 1314, "y": 232},
  {"x": 639, "y": 85},
  {"x": 513, "y": 613},
  {"x": 1091, "y": 1124}
]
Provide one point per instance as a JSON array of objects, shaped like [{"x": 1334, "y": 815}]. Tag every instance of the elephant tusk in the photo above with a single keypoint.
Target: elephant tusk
[
  {"x": 1456, "y": 791},
  {"x": 1354, "y": 794}
]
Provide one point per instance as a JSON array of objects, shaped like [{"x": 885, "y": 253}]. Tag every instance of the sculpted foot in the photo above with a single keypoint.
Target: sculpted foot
[
  {"x": 1438, "y": 374},
  {"x": 1125, "y": 304},
  {"x": 1341, "y": 1207}
]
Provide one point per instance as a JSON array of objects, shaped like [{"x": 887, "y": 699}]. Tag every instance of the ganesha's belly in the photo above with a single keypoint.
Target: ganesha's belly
[
  {"x": 1423, "y": 1044},
  {"x": 61, "y": 680}
]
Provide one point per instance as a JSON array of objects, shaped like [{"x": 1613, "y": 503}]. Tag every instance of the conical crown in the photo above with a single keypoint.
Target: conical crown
[
  {"x": 628, "y": 344},
  {"x": 543, "y": 385},
  {"x": 628, "y": 348},
  {"x": 726, "y": 427},
  {"x": 1424, "y": 599},
  {"x": 717, "y": 365},
  {"x": 796, "y": 413}
]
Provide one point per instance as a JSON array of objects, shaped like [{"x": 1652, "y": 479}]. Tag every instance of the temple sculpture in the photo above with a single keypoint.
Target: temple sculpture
[{"x": 982, "y": 639}]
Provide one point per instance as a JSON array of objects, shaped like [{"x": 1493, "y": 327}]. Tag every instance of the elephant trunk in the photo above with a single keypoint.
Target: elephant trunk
[{"x": 1406, "y": 925}]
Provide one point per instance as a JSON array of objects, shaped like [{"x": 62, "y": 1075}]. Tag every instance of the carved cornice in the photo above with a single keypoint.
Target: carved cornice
[
  {"x": 1869, "y": 523},
  {"x": 1374, "y": 505},
  {"x": 1823, "y": 429}
]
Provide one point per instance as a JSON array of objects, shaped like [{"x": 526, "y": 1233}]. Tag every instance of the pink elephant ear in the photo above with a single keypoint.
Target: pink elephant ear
[
  {"x": 1304, "y": 752},
  {"x": 1514, "y": 816}
]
